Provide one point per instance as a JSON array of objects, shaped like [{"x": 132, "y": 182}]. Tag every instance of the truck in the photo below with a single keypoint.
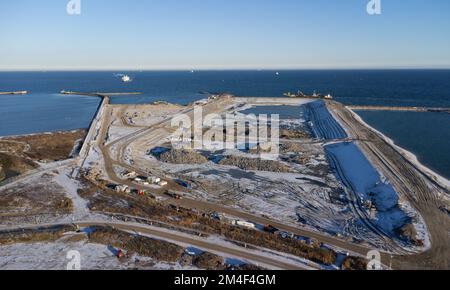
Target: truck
[{"x": 245, "y": 224}]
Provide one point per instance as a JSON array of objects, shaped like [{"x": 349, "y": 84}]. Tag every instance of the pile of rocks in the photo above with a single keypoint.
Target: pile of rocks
[
  {"x": 182, "y": 156},
  {"x": 293, "y": 134},
  {"x": 255, "y": 164}
]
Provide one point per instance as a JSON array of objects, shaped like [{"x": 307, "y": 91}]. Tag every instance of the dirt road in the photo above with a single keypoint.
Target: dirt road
[
  {"x": 224, "y": 249},
  {"x": 125, "y": 141}
]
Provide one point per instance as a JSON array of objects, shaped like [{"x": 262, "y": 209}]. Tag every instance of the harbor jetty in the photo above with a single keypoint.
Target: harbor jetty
[
  {"x": 97, "y": 94},
  {"x": 405, "y": 109},
  {"x": 94, "y": 126},
  {"x": 14, "y": 93}
]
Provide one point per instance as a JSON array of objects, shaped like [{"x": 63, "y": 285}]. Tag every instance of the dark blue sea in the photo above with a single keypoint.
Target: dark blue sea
[{"x": 425, "y": 134}]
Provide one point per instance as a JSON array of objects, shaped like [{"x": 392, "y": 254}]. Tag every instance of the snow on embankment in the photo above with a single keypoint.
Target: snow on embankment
[
  {"x": 357, "y": 174},
  {"x": 322, "y": 123},
  {"x": 376, "y": 199},
  {"x": 355, "y": 171}
]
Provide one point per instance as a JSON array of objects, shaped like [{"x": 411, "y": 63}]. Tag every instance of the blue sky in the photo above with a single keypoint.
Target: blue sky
[{"x": 223, "y": 34}]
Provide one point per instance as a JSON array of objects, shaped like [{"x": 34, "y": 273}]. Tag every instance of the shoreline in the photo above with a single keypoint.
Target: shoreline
[
  {"x": 42, "y": 133},
  {"x": 354, "y": 126},
  {"x": 403, "y": 204},
  {"x": 424, "y": 191},
  {"x": 408, "y": 155}
]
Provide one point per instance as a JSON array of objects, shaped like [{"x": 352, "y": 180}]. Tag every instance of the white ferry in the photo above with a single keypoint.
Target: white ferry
[{"x": 126, "y": 79}]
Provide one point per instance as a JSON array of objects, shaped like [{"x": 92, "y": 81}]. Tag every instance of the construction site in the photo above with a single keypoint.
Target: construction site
[{"x": 331, "y": 191}]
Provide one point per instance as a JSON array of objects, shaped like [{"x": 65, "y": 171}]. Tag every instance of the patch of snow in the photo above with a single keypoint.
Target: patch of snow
[
  {"x": 359, "y": 175},
  {"x": 53, "y": 256},
  {"x": 80, "y": 206}
]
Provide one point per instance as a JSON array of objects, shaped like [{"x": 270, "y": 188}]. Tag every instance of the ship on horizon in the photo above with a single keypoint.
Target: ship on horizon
[
  {"x": 315, "y": 95},
  {"x": 126, "y": 79}
]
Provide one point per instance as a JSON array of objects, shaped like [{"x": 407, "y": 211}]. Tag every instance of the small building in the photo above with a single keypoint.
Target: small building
[
  {"x": 140, "y": 179},
  {"x": 154, "y": 179},
  {"x": 162, "y": 183}
]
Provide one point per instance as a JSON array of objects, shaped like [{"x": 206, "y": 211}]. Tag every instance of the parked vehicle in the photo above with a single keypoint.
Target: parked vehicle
[{"x": 270, "y": 229}]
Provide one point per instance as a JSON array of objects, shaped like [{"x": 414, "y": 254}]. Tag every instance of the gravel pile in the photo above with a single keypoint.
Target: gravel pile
[
  {"x": 292, "y": 147},
  {"x": 255, "y": 164},
  {"x": 293, "y": 134},
  {"x": 182, "y": 156}
]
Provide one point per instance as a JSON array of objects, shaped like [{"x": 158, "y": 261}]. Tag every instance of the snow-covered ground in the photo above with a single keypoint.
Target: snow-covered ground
[
  {"x": 80, "y": 206},
  {"x": 356, "y": 172},
  {"x": 293, "y": 198},
  {"x": 148, "y": 115},
  {"x": 55, "y": 256},
  {"x": 218, "y": 240},
  {"x": 304, "y": 197}
]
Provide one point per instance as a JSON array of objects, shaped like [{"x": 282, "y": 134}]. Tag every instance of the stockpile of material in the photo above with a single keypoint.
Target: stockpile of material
[
  {"x": 178, "y": 156},
  {"x": 255, "y": 164}
]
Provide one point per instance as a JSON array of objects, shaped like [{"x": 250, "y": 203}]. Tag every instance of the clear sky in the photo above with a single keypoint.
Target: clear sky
[{"x": 223, "y": 34}]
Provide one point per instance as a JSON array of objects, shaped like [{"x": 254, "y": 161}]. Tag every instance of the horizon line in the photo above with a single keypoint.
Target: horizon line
[{"x": 218, "y": 69}]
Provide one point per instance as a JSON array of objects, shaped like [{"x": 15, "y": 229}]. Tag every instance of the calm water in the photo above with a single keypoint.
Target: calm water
[
  {"x": 284, "y": 112},
  {"x": 425, "y": 134},
  {"x": 45, "y": 110}
]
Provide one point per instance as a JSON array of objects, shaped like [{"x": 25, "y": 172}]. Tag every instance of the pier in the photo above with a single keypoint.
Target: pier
[
  {"x": 97, "y": 94},
  {"x": 404, "y": 109},
  {"x": 94, "y": 126},
  {"x": 14, "y": 93}
]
